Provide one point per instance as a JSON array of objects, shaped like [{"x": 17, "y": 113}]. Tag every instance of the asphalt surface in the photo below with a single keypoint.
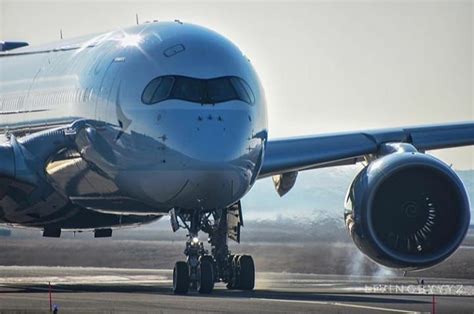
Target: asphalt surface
[{"x": 107, "y": 290}]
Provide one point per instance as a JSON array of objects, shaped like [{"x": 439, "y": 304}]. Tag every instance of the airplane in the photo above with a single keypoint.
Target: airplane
[{"x": 170, "y": 119}]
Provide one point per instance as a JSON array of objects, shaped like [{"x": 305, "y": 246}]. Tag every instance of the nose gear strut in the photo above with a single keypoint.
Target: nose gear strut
[{"x": 202, "y": 269}]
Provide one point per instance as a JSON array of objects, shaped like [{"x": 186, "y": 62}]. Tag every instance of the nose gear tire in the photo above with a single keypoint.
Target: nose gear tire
[{"x": 180, "y": 278}]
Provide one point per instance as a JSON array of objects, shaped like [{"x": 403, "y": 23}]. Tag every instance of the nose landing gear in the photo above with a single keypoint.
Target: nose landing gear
[{"x": 201, "y": 270}]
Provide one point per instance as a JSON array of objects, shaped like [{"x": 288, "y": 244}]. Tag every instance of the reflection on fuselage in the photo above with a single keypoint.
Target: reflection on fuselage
[{"x": 199, "y": 146}]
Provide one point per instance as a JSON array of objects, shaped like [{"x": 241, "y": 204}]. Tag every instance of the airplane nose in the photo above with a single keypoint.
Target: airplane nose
[
  {"x": 215, "y": 140},
  {"x": 209, "y": 158},
  {"x": 216, "y": 155},
  {"x": 206, "y": 135}
]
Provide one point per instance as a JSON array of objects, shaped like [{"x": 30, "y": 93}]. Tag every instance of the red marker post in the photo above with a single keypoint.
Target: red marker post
[
  {"x": 433, "y": 303},
  {"x": 50, "y": 299}
]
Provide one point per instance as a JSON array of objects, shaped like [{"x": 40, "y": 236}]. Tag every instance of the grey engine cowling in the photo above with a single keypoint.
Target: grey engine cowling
[{"x": 407, "y": 210}]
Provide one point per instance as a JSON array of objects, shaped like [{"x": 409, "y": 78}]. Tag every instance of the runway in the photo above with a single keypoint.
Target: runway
[{"x": 110, "y": 290}]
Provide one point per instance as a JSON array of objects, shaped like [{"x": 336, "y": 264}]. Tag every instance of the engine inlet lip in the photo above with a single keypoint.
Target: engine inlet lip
[{"x": 395, "y": 163}]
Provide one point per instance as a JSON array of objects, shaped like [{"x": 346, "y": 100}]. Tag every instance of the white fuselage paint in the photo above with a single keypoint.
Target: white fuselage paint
[{"x": 148, "y": 158}]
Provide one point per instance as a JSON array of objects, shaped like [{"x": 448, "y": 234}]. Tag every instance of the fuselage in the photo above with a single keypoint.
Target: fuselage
[{"x": 174, "y": 116}]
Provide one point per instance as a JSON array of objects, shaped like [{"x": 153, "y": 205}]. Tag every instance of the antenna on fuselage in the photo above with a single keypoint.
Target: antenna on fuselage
[
  {"x": 61, "y": 34},
  {"x": 136, "y": 18}
]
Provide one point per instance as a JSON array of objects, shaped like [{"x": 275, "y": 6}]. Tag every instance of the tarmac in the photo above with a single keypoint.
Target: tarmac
[{"x": 111, "y": 290}]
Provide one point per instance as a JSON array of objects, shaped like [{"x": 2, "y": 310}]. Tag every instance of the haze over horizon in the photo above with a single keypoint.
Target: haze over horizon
[
  {"x": 326, "y": 66},
  {"x": 317, "y": 195}
]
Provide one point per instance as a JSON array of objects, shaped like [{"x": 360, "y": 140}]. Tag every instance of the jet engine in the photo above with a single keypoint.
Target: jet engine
[{"x": 407, "y": 210}]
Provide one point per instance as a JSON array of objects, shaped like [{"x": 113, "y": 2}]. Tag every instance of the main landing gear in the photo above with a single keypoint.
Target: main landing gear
[{"x": 202, "y": 269}]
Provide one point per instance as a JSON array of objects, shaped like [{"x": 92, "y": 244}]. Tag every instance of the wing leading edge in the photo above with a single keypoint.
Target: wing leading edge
[{"x": 302, "y": 153}]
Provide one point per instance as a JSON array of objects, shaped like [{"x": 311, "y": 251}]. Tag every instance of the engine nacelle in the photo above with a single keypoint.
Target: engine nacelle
[{"x": 407, "y": 210}]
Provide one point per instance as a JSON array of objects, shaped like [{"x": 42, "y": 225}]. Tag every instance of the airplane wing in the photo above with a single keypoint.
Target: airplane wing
[{"x": 303, "y": 153}]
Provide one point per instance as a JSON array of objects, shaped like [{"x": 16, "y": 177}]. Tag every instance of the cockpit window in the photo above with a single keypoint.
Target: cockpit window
[
  {"x": 243, "y": 89},
  {"x": 203, "y": 91},
  {"x": 189, "y": 89},
  {"x": 157, "y": 90}
]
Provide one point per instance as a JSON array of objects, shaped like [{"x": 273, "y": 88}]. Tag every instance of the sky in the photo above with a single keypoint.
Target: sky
[{"x": 325, "y": 66}]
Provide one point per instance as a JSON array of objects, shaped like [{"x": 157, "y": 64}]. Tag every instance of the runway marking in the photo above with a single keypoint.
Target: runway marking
[{"x": 375, "y": 308}]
